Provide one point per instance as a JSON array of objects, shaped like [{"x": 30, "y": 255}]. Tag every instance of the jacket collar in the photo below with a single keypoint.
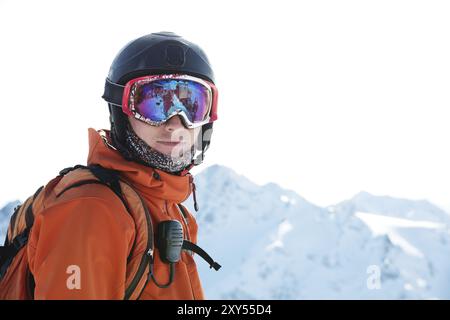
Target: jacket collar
[{"x": 150, "y": 182}]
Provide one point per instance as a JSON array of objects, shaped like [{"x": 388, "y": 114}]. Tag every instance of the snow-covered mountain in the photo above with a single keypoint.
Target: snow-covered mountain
[
  {"x": 5, "y": 214},
  {"x": 273, "y": 244}
]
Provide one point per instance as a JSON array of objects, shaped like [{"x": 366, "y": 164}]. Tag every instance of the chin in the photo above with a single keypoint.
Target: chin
[{"x": 167, "y": 151}]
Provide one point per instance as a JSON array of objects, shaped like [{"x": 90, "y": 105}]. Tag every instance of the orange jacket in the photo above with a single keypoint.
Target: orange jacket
[{"x": 88, "y": 228}]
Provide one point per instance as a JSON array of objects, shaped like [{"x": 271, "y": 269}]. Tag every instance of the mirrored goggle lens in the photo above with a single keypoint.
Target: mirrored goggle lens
[{"x": 158, "y": 99}]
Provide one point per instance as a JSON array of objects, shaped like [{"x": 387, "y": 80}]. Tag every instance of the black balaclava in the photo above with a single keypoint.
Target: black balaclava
[{"x": 149, "y": 156}]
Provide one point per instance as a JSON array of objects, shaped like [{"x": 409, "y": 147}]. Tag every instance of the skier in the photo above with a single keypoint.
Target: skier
[{"x": 116, "y": 228}]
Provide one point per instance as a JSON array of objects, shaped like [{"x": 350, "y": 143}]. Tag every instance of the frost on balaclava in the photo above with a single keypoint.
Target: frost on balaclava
[{"x": 152, "y": 157}]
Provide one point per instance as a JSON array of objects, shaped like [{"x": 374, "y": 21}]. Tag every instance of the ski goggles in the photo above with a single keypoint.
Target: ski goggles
[{"x": 155, "y": 99}]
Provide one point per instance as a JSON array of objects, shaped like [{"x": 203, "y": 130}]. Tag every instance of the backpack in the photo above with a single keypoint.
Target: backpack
[{"x": 16, "y": 280}]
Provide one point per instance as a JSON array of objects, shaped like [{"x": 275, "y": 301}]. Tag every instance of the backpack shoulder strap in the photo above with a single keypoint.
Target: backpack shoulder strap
[
  {"x": 107, "y": 177},
  {"x": 140, "y": 259}
]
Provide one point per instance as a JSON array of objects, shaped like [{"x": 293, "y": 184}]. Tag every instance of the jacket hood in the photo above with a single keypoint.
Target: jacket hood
[{"x": 151, "y": 182}]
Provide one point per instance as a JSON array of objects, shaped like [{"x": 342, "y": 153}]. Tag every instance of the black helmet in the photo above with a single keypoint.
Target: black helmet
[{"x": 155, "y": 53}]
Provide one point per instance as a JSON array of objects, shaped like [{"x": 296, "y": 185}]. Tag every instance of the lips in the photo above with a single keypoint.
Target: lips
[{"x": 170, "y": 143}]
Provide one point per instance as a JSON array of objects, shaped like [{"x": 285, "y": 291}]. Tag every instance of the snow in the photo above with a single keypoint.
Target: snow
[
  {"x": 284, "y": 228},
  {"x": 388, "y": 225},
  {"x": 286, "y": 199}
]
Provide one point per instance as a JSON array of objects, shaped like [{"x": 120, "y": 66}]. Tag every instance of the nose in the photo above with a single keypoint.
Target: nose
[{"x": 174, "y": 123}]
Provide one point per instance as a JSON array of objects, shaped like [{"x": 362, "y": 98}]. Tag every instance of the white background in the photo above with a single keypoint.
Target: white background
[{"x": 323, "y": 97}]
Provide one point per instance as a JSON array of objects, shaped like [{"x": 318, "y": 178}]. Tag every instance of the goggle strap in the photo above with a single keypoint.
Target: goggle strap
[{"x": 113, "y": 92}]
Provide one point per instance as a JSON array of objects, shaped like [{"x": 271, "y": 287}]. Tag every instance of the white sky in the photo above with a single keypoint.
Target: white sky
[{"x": 323, "y": 97}]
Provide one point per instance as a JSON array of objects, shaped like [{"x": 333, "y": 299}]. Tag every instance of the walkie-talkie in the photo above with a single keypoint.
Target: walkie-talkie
[{"x": 170, "y": 241}]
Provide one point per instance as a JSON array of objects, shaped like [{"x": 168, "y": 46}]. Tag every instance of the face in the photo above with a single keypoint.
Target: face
[{"x": 171, "y": 138}]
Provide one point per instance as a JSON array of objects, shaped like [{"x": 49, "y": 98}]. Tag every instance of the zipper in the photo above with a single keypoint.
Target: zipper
[
  {"x": 181, "y": 212},
  {"x": 167, "y": 209},
  {"x": 185, "y": 218},
  {"x": 186, "y": 224}
]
